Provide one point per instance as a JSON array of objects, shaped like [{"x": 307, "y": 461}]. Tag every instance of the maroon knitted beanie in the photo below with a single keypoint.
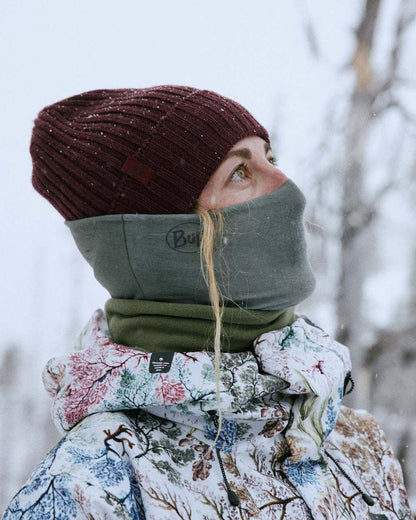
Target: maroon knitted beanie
[{"x": 148, "y": 151}]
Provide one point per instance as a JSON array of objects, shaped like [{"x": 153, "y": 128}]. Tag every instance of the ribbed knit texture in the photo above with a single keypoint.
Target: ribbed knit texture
[{"x": 177, "y": 135}]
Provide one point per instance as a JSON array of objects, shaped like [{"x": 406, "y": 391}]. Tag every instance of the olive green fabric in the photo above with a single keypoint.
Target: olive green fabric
[{"x": 174, "y": 327}]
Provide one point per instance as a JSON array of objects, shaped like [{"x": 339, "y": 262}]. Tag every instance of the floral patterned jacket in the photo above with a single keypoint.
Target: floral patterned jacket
[{"x": 139, "y": 428}]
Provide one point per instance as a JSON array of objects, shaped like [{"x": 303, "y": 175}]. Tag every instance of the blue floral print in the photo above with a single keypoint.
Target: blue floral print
[{"x": 303, "y": 473}]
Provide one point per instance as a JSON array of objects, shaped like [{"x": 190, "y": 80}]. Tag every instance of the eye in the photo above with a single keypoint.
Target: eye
[
  {"x": 273, "y": 160},
  {"x": 240, "y": 174}
]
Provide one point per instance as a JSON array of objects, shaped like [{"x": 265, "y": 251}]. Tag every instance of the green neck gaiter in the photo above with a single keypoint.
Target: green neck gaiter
[
  {"x": 261, "y": 262},
  {"x": 176, "y": 327}
]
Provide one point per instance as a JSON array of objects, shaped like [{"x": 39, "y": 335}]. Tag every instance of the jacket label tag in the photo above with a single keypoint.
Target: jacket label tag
[{"x": 160, "y": 362}]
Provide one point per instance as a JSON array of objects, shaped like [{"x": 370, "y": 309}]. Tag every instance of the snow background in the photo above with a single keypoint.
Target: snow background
[{"x": 256, "y": 54}]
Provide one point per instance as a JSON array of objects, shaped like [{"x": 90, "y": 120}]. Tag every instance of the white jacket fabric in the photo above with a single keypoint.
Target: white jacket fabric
[{"x": 139, "y": 431}]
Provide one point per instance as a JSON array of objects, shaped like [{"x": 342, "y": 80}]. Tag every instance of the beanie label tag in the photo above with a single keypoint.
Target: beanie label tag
[{"x": 137, "y": 170}]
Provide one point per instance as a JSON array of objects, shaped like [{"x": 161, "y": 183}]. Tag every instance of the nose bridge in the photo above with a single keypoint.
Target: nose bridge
[{"x": 270, "y": 173}]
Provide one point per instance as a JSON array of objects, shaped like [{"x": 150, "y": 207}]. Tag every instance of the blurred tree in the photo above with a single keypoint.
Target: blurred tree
[
  {"x": 344, "y": 204},
  {"x": 369, "y": 94},
  {"x": 370, "y": 113},
  {"x": 22, "y": 415},
  {"x": 10, "y": 400}
]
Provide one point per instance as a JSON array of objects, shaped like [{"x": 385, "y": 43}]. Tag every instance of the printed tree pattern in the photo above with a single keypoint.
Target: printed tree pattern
[{"x": 138, "y": 445}]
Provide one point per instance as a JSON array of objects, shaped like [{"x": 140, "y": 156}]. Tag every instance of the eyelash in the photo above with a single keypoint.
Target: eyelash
[{"x": 244, "y": 166}]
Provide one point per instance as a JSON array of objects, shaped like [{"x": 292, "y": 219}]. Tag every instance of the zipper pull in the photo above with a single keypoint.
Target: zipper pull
[
  {"x": 367, "y": 499},
  {"x": 233, "y": 498},
  {"x": 214, "y": 417}
]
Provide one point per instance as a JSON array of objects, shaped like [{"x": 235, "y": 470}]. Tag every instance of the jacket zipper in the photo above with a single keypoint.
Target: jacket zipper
[{"x": 232, "y": 496}]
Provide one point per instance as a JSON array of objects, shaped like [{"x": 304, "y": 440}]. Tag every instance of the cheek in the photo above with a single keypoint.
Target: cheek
[
  {"x": 214, "y": 199},
  {"x": 230, "y": 199},
  {"x": 208, "y": 199},
  {"x": 270, "y": 181}
]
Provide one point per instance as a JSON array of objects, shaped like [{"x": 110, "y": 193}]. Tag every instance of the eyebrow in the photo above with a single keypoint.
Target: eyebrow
[{"x": 244, "y": 152}]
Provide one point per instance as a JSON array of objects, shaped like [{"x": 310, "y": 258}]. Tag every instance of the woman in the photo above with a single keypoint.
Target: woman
[{"x": 199, "y": 393}]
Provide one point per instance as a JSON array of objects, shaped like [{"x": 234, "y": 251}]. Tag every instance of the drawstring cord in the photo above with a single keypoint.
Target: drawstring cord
[
  {"x": 232, "y": 496},
  {"x": 366, "y": 497},
  {"x": 235, "y": 501}
]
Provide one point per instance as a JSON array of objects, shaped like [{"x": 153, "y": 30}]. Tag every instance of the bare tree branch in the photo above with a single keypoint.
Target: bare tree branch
[
  {"x": 365, "y": 35},
  {"x": 406, "y": 16},
  {"x": 309, "y": 29}
]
